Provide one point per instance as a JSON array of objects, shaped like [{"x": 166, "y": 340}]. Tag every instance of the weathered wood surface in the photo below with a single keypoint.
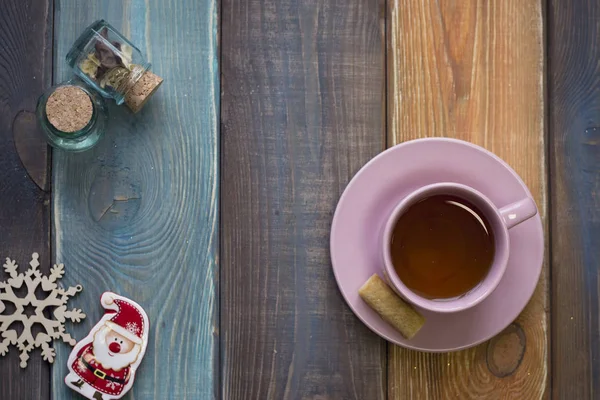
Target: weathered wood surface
[
  {"x": 302, "y": 111},
  {"x": 574, "y": 109},
  {"x": 25, "y": 71},
  {"x": 474, "y": 70},
  {"x": 138, "y": 214}
]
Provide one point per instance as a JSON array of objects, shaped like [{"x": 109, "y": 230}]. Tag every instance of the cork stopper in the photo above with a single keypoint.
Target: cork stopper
[
  {"x": 69, "y": 109},
  {"x": 141, "y": 92}
]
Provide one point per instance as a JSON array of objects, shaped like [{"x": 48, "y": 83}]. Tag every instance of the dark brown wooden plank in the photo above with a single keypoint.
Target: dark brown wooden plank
[
  {"x": 574, "y": 109},
  {"x": 302, "y": 111},
  {"x": 25, "y": 71}
]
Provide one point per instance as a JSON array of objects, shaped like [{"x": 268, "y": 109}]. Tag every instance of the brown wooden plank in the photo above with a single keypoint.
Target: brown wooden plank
[
  {"x": 574, "y": 105},
  {"x": 302, "y": 111},
  {"x": 473, "y": 70},
  {"x": 25, "y": 72}
]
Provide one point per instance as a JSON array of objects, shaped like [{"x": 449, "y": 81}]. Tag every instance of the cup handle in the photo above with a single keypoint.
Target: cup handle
[{"x": 515, "y": 213}]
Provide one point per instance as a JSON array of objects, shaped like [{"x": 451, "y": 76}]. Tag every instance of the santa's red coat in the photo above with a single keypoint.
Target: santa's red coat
[{"x": 102, "y": 385}]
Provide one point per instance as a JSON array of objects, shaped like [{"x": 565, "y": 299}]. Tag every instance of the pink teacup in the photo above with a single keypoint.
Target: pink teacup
[{"x": 500, "y": 220}]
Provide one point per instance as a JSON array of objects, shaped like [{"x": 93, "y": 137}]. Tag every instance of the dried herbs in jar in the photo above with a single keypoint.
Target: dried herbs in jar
[{"x": 113, "y": 66}]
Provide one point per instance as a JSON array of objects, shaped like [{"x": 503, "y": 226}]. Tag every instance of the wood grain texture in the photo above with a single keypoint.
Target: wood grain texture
[
  {"x": 137, "y": 215},
  {"x": 574, "y": 101},
  {"x": 25, "y": 71},
  {"x": 474, "y": 70},
  {"x": 302, "y": 111}
]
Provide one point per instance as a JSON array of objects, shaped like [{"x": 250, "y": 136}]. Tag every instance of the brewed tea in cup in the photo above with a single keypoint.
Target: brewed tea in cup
[{"x": 446, "y": 245}]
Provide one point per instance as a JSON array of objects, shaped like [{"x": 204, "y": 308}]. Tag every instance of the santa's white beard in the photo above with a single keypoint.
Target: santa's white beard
[{"x": 116, "y": 361}]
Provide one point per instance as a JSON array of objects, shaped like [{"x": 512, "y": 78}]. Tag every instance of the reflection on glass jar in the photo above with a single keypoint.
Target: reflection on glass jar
[{"x": 113, "y": 66}]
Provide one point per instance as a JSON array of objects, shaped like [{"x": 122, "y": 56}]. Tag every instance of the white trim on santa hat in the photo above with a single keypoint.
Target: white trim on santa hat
[{"x": 124, "y": 332}]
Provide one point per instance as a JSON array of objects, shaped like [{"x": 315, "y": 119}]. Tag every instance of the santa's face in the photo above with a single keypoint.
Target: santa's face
[
  {"x": 118, "y": 344},
  {"x": 114, "y": 351}
]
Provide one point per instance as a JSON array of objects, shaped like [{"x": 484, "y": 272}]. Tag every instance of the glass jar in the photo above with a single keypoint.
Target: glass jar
[
  {"x": 83, "y": 138},
  {"x": 113, "y": 66}
]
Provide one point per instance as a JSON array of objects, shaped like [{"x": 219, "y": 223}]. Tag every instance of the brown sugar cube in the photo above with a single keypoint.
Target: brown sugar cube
[{"x": 395, "y": 311}]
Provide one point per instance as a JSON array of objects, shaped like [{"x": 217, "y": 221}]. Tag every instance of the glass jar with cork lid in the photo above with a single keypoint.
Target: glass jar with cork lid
[
  {"x": 113, "y": 66},
  {"x": 72, "y": 117}
]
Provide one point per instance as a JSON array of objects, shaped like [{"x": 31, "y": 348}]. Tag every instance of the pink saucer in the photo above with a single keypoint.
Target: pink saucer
[{"x": 380, "y": 185}]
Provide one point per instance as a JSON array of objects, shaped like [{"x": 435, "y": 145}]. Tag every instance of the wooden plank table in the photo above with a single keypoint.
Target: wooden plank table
[
  {"x": 574, "y": 109},
  {"x": 25, "y": 72},
  {"x": 212, "y": 207},
  {"x": 474, "y": 70},
  {"x": 302, "y": 111},
  {"x": 137, "y": 215}
]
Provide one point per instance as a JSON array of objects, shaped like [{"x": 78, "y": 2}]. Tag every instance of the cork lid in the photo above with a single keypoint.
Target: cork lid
[
  {"x": 69, "y": 109},
  {"x": 141, "y": 92}
]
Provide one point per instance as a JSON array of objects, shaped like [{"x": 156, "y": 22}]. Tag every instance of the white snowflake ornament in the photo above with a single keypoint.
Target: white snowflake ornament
[
  {"x": 57, "y": 297},
  {"x": 132, "y": 327}
]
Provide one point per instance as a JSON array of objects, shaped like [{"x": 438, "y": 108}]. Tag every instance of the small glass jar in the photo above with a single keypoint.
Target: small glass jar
[
  {"x": 81, "y": 139},
  {"x": 113, "y": 66}
]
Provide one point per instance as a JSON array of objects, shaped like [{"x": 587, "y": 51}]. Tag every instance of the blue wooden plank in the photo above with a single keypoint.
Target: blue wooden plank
[
  {"x": 137, "y": 215},
  {"x": 574, "y": 105}
]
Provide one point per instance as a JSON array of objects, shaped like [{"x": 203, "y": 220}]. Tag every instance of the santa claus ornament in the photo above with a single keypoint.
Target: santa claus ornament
[{"x": 102, "y": 366}]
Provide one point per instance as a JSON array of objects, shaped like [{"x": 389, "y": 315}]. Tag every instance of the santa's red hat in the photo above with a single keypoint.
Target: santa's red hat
[{"x": 127, "y": 320}]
